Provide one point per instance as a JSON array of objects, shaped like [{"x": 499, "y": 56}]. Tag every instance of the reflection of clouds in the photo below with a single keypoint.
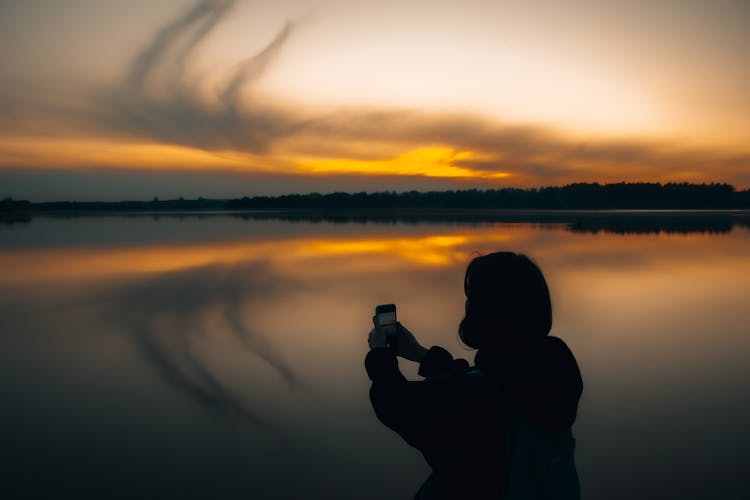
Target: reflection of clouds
[
  {"x": 661, "y": 339},
  {"x": 594, "y": 221},
  {"x": 438, "y": 246},
  {"x": 436, "y": 250},
  {"x": 172, "y": 319},
  {"x": 181, "y": 369},
  {"x": 164, "y": 315},
  {"x": 28, "y": 266}
]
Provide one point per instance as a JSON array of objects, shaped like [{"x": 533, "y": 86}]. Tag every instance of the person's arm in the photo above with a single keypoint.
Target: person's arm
[
  {"x": 433, "y": 361},
  {"x": 407, "y": 407},
  {"x": 382, "y": 366},
  {"x": 438, "y": 361},
  {"x": 403, "y": 406}
]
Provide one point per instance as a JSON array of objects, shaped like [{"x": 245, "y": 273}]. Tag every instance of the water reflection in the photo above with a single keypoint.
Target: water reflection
[
  {"x": 230, "y": 351},
  {"x": 164, "y": 314},
  {"x": 614, "y": 221}
]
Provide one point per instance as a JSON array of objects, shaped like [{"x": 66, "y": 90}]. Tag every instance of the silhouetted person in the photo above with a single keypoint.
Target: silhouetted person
[{"x": 500, "y": 429}]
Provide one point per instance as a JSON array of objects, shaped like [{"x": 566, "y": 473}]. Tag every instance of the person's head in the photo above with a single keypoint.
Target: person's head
[{"x": 507, "y": 302}]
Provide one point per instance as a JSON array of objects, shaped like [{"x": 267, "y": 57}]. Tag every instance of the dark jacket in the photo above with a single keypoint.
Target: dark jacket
[{"x": 458, "y": 419}]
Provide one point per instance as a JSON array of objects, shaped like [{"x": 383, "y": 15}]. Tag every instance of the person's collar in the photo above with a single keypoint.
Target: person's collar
[{"x": 506, "y": 355}]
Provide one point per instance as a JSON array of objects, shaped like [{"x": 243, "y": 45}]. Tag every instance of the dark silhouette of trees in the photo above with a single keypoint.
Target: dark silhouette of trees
[
  {"x": 579, "y": 196},
  {"x": 12, "y": 211},
  {"x": 11, "y": 205}
]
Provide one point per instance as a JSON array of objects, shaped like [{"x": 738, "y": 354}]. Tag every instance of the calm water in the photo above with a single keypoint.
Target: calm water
[{"x": 221, "y": 357}]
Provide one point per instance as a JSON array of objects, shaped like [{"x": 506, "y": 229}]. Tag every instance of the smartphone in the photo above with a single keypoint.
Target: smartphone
[{"x": 386, "y": 316}]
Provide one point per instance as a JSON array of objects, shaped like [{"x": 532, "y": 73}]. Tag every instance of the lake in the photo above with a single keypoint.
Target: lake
[{"x": 221, "y": 355}]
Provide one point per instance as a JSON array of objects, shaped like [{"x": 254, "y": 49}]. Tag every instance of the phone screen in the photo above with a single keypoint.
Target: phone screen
[
  {"x": 387, "y": 322},
  {"x": 386, "y": 314}
]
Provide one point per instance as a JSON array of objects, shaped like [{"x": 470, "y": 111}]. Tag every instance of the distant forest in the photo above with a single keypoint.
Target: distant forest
[{"x": 580, "y": 196}]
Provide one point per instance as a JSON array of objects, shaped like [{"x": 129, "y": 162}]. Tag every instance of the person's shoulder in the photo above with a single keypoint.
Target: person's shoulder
[
  {"x": 555, "y": 342},
  {"x": 558, "y": 359},
  {"x": 554, "y": 361},
  {"x": 555, "y": 346},
  {"x": 438, "y": 362}
]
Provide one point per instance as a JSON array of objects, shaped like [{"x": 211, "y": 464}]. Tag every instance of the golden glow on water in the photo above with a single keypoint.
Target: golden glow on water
[
  {"x": 41, "y": 265},
  {"x": 396, "y": 247},
  {"x": 437, "y": 250},
  {"x": 656, "y": 321},
  {"x": 610, "y": 291}
]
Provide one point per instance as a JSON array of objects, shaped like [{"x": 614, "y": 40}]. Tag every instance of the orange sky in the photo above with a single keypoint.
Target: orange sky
[{"x": 226, "y": 98}]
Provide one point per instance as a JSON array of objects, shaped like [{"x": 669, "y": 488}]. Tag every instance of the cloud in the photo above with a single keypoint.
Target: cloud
[
  {"x": 180, "y": 114},
  {"x": 534, "y": 154},
  {"x": 160, "y": 100},
  {"x": 206, "y": 14}
]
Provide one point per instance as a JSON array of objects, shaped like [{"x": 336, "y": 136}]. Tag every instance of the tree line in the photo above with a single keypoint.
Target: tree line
[
  {"x": 571, "y": 197},
  {"x": 578, "y": 196}
]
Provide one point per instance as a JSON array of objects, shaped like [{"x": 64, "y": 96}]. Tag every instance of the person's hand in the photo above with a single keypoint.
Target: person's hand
[
  {"x": 376, "y": 338},
  {"x": 407, "y": 345}
]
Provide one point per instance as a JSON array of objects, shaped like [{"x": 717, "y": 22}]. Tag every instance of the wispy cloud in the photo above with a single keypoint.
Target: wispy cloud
[
  {"x": 160, "y": 100},
  {"x": 180, "y": 114}
]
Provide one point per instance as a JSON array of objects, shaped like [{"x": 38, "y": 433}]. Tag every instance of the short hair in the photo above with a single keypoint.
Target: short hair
[{"x": 507, "y": 300}]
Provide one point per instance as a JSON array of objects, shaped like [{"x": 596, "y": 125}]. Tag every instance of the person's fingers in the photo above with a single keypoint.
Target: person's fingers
[
  {"x": 404, "y": 333},
  {"x": 374, "y": 339}
]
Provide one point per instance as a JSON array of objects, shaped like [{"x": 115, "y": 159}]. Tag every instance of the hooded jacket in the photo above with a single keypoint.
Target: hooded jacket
[{"x": 459, "y": 421}]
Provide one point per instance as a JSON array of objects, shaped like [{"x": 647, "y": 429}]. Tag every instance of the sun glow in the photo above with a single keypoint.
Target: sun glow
[
  {"x": 438, "y": 161},
  {"x": 447, "y": 94},
  {"x": 83, "y": 153}
]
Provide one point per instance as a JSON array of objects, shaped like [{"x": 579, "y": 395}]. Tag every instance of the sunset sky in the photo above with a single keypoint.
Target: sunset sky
[{"x": 221, "y": 98}]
